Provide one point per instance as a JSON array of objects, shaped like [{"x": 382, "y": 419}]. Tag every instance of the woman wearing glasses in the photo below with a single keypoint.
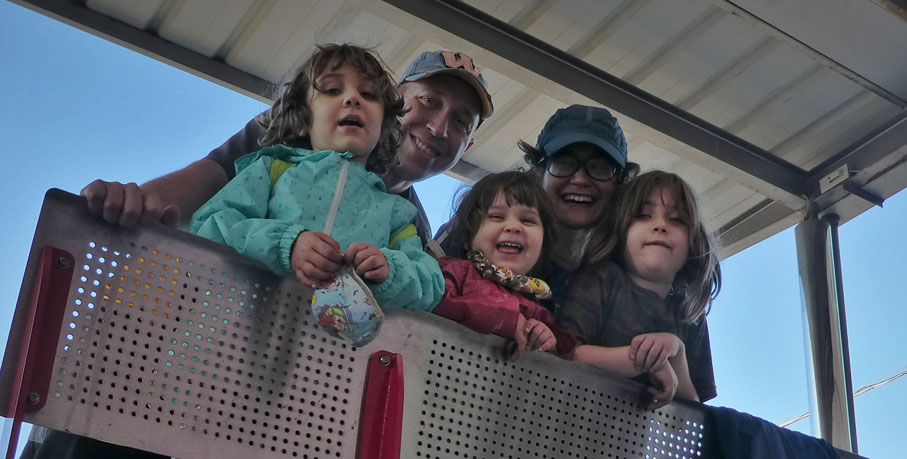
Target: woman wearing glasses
[
  {"x": 620, "y": 295},
  {"x": 580, "y": 159}
]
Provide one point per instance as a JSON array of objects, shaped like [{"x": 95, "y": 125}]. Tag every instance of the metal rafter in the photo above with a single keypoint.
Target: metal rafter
[
  {"x": 886, "y": 140},
  {"x": 571, "y": 72},
  {"x": 868, "y": 160}
]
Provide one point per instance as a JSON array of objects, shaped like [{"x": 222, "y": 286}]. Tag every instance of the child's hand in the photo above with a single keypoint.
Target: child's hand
[
  {"x": 531, "y": 335},
  {"x": 538, "y": 336},
  {"x": 663, "y": 385},
  {"x": 650, "y": 350},
  {"x": 315, "y": 257},
  {"x": 369, "y": 261}
]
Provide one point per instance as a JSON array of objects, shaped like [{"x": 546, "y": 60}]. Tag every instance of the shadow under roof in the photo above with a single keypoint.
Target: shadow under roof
[{"x": 771, "y": 110}]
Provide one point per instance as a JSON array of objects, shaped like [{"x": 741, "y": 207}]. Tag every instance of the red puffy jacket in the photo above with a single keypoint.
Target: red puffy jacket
[{"x": 488, "y": 307}]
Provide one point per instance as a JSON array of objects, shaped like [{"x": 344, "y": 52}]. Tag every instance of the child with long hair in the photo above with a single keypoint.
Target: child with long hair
[
  {"x": 507, "y": 225},
  {"x": 342, "y": 106},
  {"x": 638, "y": 304}
]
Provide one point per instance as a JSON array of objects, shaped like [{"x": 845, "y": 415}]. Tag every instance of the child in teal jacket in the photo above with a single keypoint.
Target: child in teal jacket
[{"x": 344, "y": 103}]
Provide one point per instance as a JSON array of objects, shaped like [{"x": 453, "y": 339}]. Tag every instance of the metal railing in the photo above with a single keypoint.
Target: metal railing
[{"x": 159, "y": 340}]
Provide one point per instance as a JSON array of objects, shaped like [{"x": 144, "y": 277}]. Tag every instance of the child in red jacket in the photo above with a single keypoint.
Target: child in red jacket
[{"x": 508, "y": 224}]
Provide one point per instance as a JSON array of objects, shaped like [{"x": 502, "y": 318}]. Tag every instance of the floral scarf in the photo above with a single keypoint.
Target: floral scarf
[{"x": 504, "y": 276}]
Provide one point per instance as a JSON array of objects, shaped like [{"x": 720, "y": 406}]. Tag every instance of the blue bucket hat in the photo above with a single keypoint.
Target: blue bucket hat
[
  {"x": 584, "y": 124},
  {"x": 451, "y": 63}
]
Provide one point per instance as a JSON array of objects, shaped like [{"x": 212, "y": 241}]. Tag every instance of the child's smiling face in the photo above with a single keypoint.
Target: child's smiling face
[
  {"x": 511, "y": 235},
  {"x": 346, "y": 113}
]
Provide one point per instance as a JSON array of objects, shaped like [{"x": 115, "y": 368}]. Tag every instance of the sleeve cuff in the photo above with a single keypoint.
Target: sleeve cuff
[
  {"x": 286, "y": 246},
  {"x": 507, "y": 327},
  {"x": 381, "y": 287}
]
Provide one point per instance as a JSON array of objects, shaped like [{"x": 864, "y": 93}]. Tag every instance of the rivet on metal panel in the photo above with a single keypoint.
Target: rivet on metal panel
[
  {"x": 34, "y": 398},
  {"x": 62, "y": 262},
  {"x": 385, "y": 360}
]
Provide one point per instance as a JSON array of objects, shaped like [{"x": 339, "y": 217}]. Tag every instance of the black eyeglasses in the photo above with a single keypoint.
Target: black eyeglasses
[{"x": 563, "y": 166}]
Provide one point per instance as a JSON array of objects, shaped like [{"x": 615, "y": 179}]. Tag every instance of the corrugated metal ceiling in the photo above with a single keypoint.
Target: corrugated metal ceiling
[{"x": 753, "y": 102}]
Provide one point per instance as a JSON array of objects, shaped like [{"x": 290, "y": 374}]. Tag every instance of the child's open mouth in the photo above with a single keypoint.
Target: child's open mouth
[
  {"x": 509, "y": 247},
  {"x": 351, "y": 120}
]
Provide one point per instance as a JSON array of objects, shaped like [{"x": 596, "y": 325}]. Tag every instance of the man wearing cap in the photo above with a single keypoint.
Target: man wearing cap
[{"x": 446, "y": 99}]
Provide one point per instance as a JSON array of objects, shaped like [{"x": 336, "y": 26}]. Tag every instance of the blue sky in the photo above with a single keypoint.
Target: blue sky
[{"x": 75, "y": 108}]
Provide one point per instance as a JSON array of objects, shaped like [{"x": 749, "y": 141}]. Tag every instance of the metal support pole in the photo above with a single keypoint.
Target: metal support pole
[{"x": 823, "y": 302}]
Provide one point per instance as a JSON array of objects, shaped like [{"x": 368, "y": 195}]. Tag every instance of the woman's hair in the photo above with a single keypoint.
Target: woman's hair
[
  {"x": 472, "y": 206},
  {"x": 289, "y": 118},
  {"x": 699, "y": 280},
  {"x": 536, "y": 160}
]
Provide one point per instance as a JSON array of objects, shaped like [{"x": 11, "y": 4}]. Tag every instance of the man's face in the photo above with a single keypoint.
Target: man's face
[{"x": 443, "y": 112}]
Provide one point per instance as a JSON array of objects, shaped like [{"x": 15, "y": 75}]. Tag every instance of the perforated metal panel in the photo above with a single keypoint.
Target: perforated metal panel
[
  {"x": 470, "y": 402},
  {"x": 175, "y": 348},
  {"x": 163, "y": 339},
  {"x": 175, "y": 345}
]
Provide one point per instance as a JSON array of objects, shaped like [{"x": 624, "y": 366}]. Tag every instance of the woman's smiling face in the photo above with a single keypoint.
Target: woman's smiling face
[{"x": 578, "y": 200}]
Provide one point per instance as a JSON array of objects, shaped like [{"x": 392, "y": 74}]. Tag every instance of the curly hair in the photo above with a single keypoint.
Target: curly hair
[
  {"x": 698, "y": 282},
  {"x": 535, "y": 158},
  {"x": 472, "y": 205},
  {"x": 289, "y": 118}
]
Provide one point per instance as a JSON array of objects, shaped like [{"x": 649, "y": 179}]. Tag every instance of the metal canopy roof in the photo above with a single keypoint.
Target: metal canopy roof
[{"x": 770, "y": 109}]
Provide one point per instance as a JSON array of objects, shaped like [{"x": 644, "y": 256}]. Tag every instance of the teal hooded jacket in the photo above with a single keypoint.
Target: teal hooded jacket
[{"x": 262, "y": 221}]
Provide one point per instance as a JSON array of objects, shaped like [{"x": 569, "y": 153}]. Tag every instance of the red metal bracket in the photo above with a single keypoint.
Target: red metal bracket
[
  {"x": 38, "y": 348},
  {"x": 381, "y": 421}
]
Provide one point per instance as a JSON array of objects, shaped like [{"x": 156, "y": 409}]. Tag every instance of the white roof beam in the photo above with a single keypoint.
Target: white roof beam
[
  {"x": 770, "y": 175},
  {"x": 681, "y": 40},
  {"x": 776, "y": 98},
  {"x": 607, "y": 27},
  {"x": 531, "y": 13},
  {"x": 822, "y": 59},
  {"x": 250, "y": 21},
  {"x": 727, "y": 74}
]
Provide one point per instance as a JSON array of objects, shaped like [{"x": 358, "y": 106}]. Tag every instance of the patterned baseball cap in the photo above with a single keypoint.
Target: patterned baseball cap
[
  {"x": 452, "y": 63},
  {"x": 584, "y": 124}
]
